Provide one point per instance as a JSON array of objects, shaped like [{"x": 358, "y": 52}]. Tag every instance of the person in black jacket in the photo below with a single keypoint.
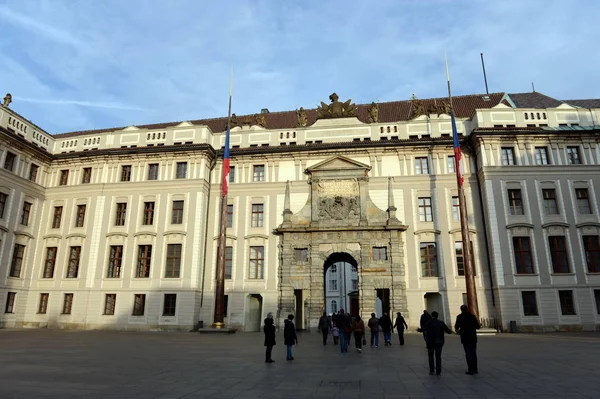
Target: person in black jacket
[
  {"x": 400, "y": 325},
  {"x": 386, "y": 326},
  {"x": 324, "y": 326},
  {"x": 289, "y": 335},
  {"x": 467, "y": 325},
  {"x": 425, "y": 317},
  {"x": 434, "y": 332},
  {"x": 269, "y": 330}
]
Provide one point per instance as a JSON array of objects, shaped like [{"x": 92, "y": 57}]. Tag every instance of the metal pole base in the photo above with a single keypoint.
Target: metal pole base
[{"x": 218, "y": 325}]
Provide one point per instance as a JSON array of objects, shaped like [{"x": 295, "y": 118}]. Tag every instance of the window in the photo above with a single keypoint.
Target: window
[
  {"x": 232, "y": 174},
  {"x": 229, "y": 216},
  {"x": 541, "y": 156},
  {"x": 425, "y": 209},
  {"x": 50, "y": 262},
  {"x": 126, "y": 173},
  {"x": 87, "y": 176},
  {"x": 73, "y": 266},
  {"x": 455, "y": 209},
  {"x": 460, "y": 259},
  {"x": 421, "y": 166},
  {"x": 139, "y": 304},
  {"x": 591, "y": 246},
  {"x": 429, "y": 265},
  {"x": 529, "y": 303},
  {"x": 33, "y": 172},
  {"x": 515, "y": 202},
  {"x": 173, "y": 261},
  {"x": 333, "y": 284},
  {"x": 121, "y": 213},
  {"x": 257, "y": 260},
  {"x": 153, "y": 171},
  {"x": 177, "y": 212},
  {"x": 583, "y": 201},
  {"x": 228, "y": 261},
  {"x": 259, "y": 173},
  {"x": 181, "y": 170},
  {"x": 110, "y": 302},
  {"x": 3, "y": 200},
  {"x": 57, "y": 217},
  {"x": 379, "y": 253},
  {"x": 301, "y": 254},
  {"x": 573, "y": 157},
  {"x": 80, "y": 217},
  {"x": 597, "y": 298},
  {"x": 334, "y": 304},
  {"x": 17, "y": 260},
  {"x": 451, "y": 164},
  {"x": 64, "y": 177},
  {"x": 523, "y": 257},
  {"x": 257, "y": 215},
  {"x": 508, "y": 156},
  {"x": 25, "y": 214},
  {"x": 9, "y": 161},
  {"x": 148, "y": 218},
  {"x": 558, "y": 253},
  {"x": 169, "y": 304},
  {"x": 567, "y": 304},
  {"x": 144, "y": 259},
  {"x": 333, "y": 270},
  {"x": 10, "y": 302},
  {"x": 114, "y": 261},
  {"x": 550, "y": 204},
  {"x": 43, "y": 305},
  {"x": 67, "y": 304}
]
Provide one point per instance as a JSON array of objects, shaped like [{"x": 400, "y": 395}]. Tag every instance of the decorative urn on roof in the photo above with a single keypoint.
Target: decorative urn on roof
[{"x": 336, "y": 109}]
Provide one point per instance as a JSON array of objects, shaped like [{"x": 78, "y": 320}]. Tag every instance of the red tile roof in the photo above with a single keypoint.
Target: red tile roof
[{"x": 534, "y": 100}]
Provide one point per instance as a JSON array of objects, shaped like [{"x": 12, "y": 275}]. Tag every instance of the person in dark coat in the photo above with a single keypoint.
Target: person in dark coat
[
  {"x": 289, "y": 335},
  {"x": 434, "y": 333},
  {"x": 425, "y": 317},
  {"x": 467, "y": 325},
  {"x": 269, "y": 330},
  {"x": 386, "y": 326},
  {"x": 374, "y": 327},
  {"x": 324, "y": 326},
  {"x": 344, "y": 322},
  {"x": 400, "y": 325}
]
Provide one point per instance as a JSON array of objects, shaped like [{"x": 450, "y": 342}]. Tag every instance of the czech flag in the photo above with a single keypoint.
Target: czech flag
[
  {"x": 226, "y": 167},
  {"x": 457, "y": 151}
]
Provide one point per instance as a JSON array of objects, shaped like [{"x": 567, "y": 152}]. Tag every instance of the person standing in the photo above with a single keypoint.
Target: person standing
[
  {"x": 289, "y": 335},
  {"x": 400, "y": 325},
  {"x": 425, "y": 317},
  {"x": 467, "y": 325},
  {"x": 434, "y": 333},
  {"x": 324, "y": 326},
  {"x": 335, "y": 331},
  {"x": 269, "y": 330},
  {"x": 373, "y": 324},
  {"x": 345, "y": 325},
  {"x": 386, "y": 326},
  {"x": 359, "y": 333}
]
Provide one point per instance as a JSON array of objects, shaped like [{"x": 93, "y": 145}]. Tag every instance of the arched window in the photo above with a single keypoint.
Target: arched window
[
  {"x": 334, "y": 306},
  {"x": 153, "y": 136},
  {"x": 381, "y": 129},
  {"x": 532, "y": 117},
  {"x": 395, "y": 129},
  {"x": 538, "y": 115},
  {"x": 287, "y": 135},
  {"x": 164, "y": 134},
  {"x": 149, "y": 135},
  {"x": 526, "y": 115},
  {"x": 294, "y": 135},
  {"x": 281, "y": 135},
  {"x": 389, "y": 130},
  {"x": 544, "y": 115}
]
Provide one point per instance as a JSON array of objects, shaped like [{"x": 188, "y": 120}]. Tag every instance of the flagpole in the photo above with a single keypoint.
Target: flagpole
[
  {"x": 464, "y": 220},
  {"x": 219, "y": 315}
]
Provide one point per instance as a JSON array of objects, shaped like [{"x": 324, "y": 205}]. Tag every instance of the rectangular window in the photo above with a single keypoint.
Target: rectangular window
[
  {"x": 421, "y": 166},
  {"x": 558, "y": 253},
  {"x": 64, "y": 177},
  {"x": 148, "y": 218},
  {"x": 169, "y": 304},
  {"x": 425, "y": 209},
  {"x": 143, "y": 263},
  {"x": 153, "y": 171},
  {"x": 583, "y": 201},
  {"x": 451, "y": 164},
  {"x": 3, "y": 201},
  {"x": 515, "y": 202},
  {"x": 80, "y": 217},
  {"x": 455, "y": 209},
  {"x": 379, "y": 253},
  {"x": 550, "y": 203},
  {"x": 429, "y": 263},
  {"x": 591, "y": 246},
  {"x": 25, "y": 213},
  {"x": 17, "y": 260},
  {"x": 541, "y": 156},
  {"x": 228, "y": 262},
  {"x": 257, "y": 215},
  {"x": 177, "y": 212},
  {"x": 231, "y": 174},
  {"x": 33, "y": 172},
  {"x": 73, "y": 266},
  {"x": 43, "y": 304},
  {"x": 114, "y": 261},
  {"x": 573, "y": 157},
  {"x": 460, "y": 260},
  {"x": 56, "y": 219},
  {"x": 67, "y": 304},
  {"x": 126, "y": 173},
  {"x": 333, "y": 284},
  {"x": 181, "y": 170},
  {"x": 301, "y": 254},
  {"x": 121, "y": 213},
  {"x": 9, "y": 161},
  {"x": 50, "y": 262},
  {"x": 110, "y": 302},
  {"x": 87, "y": 176},
  {"x": 139, "y": 304},
  {"x": 257, "y": 261},
  {"x": 567, "y": 304},
  {"x": 529, "y": 303},
  {"x": 10, "y": 302},
  {"x": 508, "y": 156},
  {"x": 258, "y": 173},
  {"x": 597, "y": 298},
  {"x": 173, "y": 261},
  {"x": 354, "y": 285},
  {"x": 229, "y": 216},
  {"x": 523, "y": 257}
]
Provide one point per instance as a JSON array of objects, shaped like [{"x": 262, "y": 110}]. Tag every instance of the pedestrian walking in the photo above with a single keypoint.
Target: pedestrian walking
[
  {"x": 289, "y": 336},
  {"x": 400, "y": 325},
  {"x": 335, "y": 331},
  {"x": 345, "y": 326},
  {"x": 324, "y": 326},
  {"x": 373, "y": 324},
  {"x": 269, "y": 330},
  {"x": 435, "y": 330},
  {"x": 467, "y": 325},
  {"x": 386, "y": 326},
  {"x": 358, "y": 327},
  {"x": 425, "y": 317}
]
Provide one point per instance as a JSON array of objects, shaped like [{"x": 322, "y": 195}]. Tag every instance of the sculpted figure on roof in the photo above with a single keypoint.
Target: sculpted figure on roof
[
  {"x": 260, "y": 120},
  {"x": 418, "y": 108},
  {"x": 373, "y": 113},
  {"x": 443, "y": 108},
  {"x": 336, "y": 109},
  {"x": 302, "y": 121},
  {"x": 7, "y": 99},
  {"x": 234, "y": 120}
]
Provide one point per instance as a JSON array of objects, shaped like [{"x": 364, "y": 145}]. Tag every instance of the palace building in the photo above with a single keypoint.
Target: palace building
[{"x": 346, "y": 205}]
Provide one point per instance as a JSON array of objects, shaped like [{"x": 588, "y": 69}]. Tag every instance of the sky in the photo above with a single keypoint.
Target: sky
[{"x": 75, "y": 65}]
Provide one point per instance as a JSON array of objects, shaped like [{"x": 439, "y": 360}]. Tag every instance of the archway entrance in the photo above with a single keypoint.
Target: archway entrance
[{"x": 340, "y": 285}]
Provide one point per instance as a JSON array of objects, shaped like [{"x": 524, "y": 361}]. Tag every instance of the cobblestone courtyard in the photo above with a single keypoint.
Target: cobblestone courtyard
[{"x": 102, "y": 364}]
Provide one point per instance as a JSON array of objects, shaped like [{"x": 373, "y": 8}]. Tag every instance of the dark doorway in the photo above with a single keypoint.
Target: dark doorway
[
  {"x": 383, "y": 294},
  {"x": 341, "y": 284},
  {"x": 254, "y": 312},
  {"x": 434, "y": 303},
  {"x": 299, "y": 318}
]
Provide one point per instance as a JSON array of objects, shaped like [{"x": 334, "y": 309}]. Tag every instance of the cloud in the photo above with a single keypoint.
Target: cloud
[{"x": 91, "y": 104}]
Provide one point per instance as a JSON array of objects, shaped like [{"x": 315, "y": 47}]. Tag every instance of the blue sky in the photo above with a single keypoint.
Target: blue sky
[{"x": 82, "y": 64}]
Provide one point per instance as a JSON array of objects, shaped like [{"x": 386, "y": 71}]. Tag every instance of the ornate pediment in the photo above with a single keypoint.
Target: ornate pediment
[{"x": 338, "y": 163}]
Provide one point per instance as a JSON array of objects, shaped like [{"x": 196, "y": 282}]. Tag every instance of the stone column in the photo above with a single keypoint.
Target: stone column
[
  {"x": 316, "y": 295},
  {"x": 398, "y": 298}
]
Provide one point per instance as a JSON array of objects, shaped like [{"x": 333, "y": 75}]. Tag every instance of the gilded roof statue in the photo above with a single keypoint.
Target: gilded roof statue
[
  {"x": 7, "y": 99},
  {"x": 234, "y": 120},
  {"x": 418, "y": 108},
  {"x": 432, "y": 109},
  {"x": 302, "y": 121},
  {"x": 336, "y": 109},
  {"x": 260, "y": 120},
  {"x": 373, "y": 113},
  {"x": 247, "y": 121},
  {"x": 443, "y": 107}
]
